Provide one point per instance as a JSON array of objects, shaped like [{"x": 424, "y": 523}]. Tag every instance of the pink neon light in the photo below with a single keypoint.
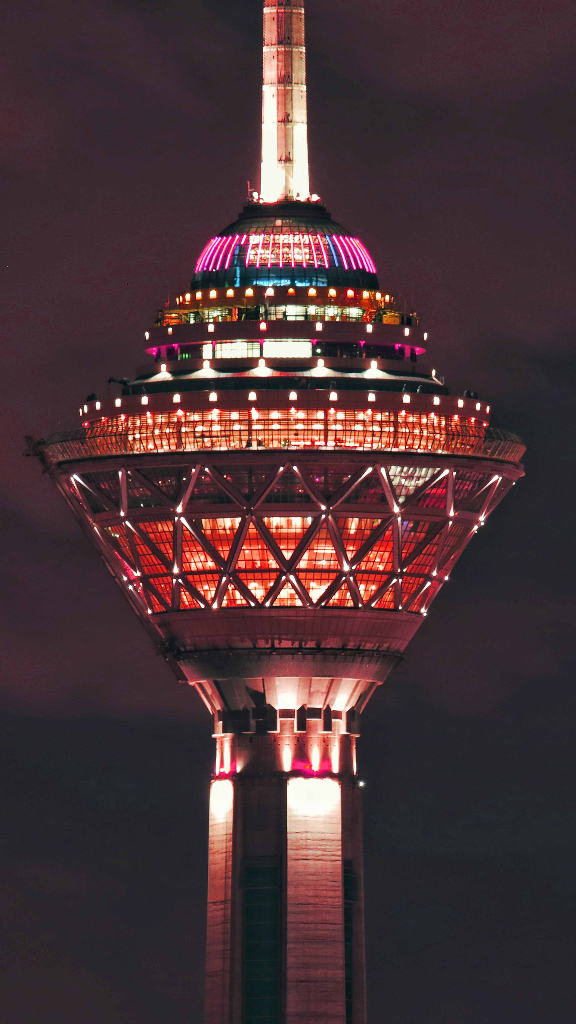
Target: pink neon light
[
  {"x": 367, "y": 257},
  {"x": 219, "y": 251},
  {"x": 210, "y": 254},
  {"x": 250, "y": 244},
  {"x": 223, "y": 251},
  {"x": 231, "y": 250},
  {"x": 341, "y": 251},
  {"x": 259, "y": 256},
  {"x": 303, "y": 250},
  {"x": 350, "y": 251},
  {"x": 204, "y": 254},
  {"x": 321, "y": 244},
  {"x": 352, "y": 242},
  {"x": 200, "y": 258},
  {"x": 222, "y": 243}
]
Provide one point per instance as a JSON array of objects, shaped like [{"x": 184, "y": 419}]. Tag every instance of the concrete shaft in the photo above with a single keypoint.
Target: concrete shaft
[{"x": 285, "y": 930}]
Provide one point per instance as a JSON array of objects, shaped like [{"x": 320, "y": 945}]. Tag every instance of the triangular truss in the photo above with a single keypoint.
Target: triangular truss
[{"x": 380, "y": 536}]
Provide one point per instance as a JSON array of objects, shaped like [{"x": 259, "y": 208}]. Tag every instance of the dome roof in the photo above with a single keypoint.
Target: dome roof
[{"x": 289, "y": 243}]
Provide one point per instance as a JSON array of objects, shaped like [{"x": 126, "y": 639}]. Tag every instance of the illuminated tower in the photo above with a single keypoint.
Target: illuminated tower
[{"x": 280, "y": 494}]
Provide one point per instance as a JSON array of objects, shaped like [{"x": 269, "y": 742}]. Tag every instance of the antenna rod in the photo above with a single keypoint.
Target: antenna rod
[{"x": 284, "y": 108}]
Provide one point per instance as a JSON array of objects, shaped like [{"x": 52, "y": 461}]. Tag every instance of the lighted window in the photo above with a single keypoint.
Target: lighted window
[
  {"x": 436, "y": 400},
  {"x": 283, "y": 349},
  {"x": 369, "y": 328},
  {"x": 293, "y": 396},
  {"x": 318, "y": 325},
  {"x": 311, "y": 291},
  {"x": 210, "y": 328},
  {"x": 406, "y": 331},
  {"x": 263, "y": 325},
  {"x": 371, "y": 396},
  {"x": 350, "y": 293},
  {"x": 176, "y": 398},
  {"x": 251, "y": 396},
  {"x": 249, "y": 291},
  {"x": 406, "y": 399},
  {"x": 198, "y": 295},
  {"x": 269, "y": 291},
  {"x": 229, "y": 293},
  {"x": 117, "y": 403},
  {"x": 333, "y": 396},
  {"x": 163, "y": 367},
  {"x": 460, "y": 403},
  {"x": 169, "y": 330},
  {"x": 378, "y": 295},
  {"x": 332, "y": 292},
  {"x": 236, "y": 350},
  {"x": 212, "y": 397},
  {"x": 144, "y": 400}
]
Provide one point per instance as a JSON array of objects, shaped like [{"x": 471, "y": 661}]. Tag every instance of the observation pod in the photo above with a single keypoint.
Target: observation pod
[{"x": 280, "y": 493}]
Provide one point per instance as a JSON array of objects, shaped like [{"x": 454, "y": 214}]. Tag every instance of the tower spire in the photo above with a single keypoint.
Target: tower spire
[{"x": 284, "y": 108}]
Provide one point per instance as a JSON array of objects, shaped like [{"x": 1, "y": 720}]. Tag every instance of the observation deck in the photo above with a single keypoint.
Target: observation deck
[{"x": 287, "y": 459}]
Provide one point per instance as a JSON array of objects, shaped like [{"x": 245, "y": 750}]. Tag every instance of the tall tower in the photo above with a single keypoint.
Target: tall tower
[
  {"x": 284, "y": 109},
  {"x": 280, "y": 494}
]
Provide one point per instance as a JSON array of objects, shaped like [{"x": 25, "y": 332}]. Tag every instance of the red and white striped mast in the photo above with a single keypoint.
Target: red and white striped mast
[{"x": 284, "y": 173}]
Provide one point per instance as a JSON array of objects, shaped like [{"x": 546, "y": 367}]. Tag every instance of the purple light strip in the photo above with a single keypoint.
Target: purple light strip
[
  {"x": 223, "y": 242},
  {"x": 350, "y": 252},
  {"x": 210, "y": 252},
  {"x": 249, "y": 249},
  {"x": 204, "y": 253},
  {"x": 353, "y": 243},
  {"x": 259, "y": 256},
  {"x": 324, "y": 253},
  {"x": 340, "y": 250},
  {"x": 281, "y": 250},
  {"x": 272, "y": 237},
  {"x": 292, "y": 250},
  {"x": 232, "y": 247},
  {"x": 367, "y": 256},
  {"x": 303, "y": 250},
  {"x": 223, "y": 253}
]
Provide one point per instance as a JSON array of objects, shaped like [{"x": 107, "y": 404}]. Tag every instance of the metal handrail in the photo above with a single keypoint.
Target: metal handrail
[{"x": 115, "y": 437}]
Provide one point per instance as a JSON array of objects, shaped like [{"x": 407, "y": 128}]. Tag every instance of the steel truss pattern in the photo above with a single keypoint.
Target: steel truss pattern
[{"x": 297, "y": 534}]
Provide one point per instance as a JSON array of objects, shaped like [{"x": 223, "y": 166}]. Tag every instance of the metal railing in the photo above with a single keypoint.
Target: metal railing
[{"x": 138, "y": 435}]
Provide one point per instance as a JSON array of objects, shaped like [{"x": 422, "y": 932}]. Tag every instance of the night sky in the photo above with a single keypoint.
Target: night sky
[{"x": 443, "y": 136}]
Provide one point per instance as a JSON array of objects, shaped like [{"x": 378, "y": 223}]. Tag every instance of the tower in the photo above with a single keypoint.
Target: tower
[{"x": 280, "y": 495}]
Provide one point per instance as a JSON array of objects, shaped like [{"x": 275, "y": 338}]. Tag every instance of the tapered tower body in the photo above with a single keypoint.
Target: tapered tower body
[{"x": 280, "y": 493}]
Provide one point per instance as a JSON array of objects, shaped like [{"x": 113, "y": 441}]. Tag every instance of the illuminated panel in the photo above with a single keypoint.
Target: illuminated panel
[
  {"x": 275, "y": 250},
  {"x": 279, "y": 349},
  {"x": 315, "y": 912},
  {"x": 219, "y": 900}
]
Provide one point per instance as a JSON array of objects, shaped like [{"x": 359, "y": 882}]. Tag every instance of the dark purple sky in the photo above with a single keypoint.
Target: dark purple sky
[{"x": 443, "y": 135}]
